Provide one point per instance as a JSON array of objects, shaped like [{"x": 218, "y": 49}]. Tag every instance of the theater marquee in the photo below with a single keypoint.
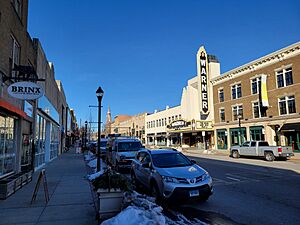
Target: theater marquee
[{"x": 203, "y": 71}]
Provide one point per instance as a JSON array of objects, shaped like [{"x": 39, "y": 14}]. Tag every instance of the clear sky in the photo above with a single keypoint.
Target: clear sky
[{"x": 142, "y": 52}]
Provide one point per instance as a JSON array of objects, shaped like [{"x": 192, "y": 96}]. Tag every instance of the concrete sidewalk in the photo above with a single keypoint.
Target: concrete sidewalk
[{"x": 70, "y": 202}]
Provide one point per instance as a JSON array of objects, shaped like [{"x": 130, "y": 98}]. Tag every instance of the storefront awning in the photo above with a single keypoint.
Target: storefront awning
[
  {"x": 290, "y": 127},
  {"x": 12, "y": 108}
]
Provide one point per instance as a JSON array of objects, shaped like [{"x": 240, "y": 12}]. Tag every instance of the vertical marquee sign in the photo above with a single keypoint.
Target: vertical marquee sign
[{"x": 202, "y": 73}]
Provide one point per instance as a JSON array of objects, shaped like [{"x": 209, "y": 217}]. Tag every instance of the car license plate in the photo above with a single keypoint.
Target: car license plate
[{"x": 194, "y": 193}]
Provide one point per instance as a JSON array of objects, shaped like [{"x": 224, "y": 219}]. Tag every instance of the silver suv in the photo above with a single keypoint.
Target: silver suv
[{"x": 170, "y": 175}]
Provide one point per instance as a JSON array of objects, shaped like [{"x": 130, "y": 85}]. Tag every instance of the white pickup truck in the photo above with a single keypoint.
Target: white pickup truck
[{"x": 261, "y": 149}]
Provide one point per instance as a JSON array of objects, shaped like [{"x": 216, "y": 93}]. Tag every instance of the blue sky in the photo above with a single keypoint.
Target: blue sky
[{"x": 142, "y": 52}]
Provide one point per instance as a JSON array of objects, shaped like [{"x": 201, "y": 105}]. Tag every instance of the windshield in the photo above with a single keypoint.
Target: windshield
[
  {"x": 166, "y": 160},
  {"x": 129, "y": 146}
]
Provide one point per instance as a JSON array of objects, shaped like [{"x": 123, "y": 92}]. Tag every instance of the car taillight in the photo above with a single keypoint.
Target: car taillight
[{"x": 279, "y": 149}]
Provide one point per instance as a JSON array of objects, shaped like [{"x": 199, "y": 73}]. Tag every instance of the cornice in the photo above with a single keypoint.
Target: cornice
[{"x": 278, "y": 56}]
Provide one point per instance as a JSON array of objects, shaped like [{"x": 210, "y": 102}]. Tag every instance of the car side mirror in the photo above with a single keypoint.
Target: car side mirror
[{"x": 193, "y": 161}]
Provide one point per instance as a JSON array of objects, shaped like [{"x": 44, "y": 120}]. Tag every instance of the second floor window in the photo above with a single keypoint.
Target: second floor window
[
  {"x": 14, "y": 58},
  {"x": 18, "y": 7},
  {"x": 221, "y": 95},
  {"x": 236, "y": 91},
  {"x": 222, "y": 115},
  {"x": 284, "y": 77},
  {"x": 237, "y": 111},
  {"x": 255, "y": 85},
  {"x": 287, "y": 105},
  {"x": 258, "y": 110}
]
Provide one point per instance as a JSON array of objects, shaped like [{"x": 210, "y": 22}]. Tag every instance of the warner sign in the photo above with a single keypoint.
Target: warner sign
[
  {"x": 203, "y": 80},
  {"x": 25, "y": 90}
]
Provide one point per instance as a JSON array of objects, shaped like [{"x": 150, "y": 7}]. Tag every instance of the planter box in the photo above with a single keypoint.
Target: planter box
[
  {"x": 11, "y": 184},
  {"x": 109, "y": 202}
]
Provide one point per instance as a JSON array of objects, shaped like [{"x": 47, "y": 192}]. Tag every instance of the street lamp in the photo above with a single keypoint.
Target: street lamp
[
  {"x": 240, "y": 129},
  {"x": 85, "y": 134},
  {"x": 99, "y": 94}
]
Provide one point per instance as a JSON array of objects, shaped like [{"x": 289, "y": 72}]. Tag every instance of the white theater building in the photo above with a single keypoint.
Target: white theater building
[{"x": 191, "y": 122}]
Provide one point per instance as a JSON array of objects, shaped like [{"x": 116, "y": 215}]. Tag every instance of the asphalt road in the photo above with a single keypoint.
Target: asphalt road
[{"x": 248, "y": 194}]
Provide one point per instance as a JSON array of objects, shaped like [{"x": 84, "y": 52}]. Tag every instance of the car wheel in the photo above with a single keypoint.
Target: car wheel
[
  {"x": 134, "y": 180},
  {"x": 155, "y": 192},
  {"x": 235, "y": 154},
  {"x": 269, "y": 156}
]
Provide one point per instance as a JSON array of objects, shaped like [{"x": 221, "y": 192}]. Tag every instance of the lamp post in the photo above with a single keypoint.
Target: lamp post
[
  {"x": 85, "y": 134},
  {"x": 99, "y": 94},
  {"x": 240, "y": 129}
]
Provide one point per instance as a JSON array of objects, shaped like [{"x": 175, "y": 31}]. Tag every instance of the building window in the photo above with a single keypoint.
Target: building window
[
  {"x": 237, "y": 111},
  {"x": 169, "y": 120},
  {"x": 7, "y": 145},
  {"x": 284, "y": 77},
  {"x": 176, "y": 117},
  {"x": 255, "y": 84},
  {"x": 257, "y": 134},
  {"x": 258, "y": 110},
  {"x": 287, "y": 105},
  {"x": 221, "y": 95},
  {"x": 222, "y": 115},
  {"x": 18, "y": 7},
  {"x": 165, "y": 121},
  {"x": 14, "y": 58},
  {"x": 236, "y": 91},
  {"x": 179, "y": 116},
  {"x": 222, "y": 139},
  {"x": 172, "y": 118}
]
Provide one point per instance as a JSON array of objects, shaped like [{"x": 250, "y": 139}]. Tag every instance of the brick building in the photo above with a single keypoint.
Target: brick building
[{"x": 260, "y": 101}]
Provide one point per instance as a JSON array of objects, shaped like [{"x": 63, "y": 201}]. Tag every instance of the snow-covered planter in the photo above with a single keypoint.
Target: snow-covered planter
[
  {"x": 110, "y": 187},
  {"x": 109, "y": 202}
]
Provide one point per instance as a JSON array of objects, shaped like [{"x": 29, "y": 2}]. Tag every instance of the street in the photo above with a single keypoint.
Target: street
[
  {"x": 248, "y": 194},
  {"x": 245, "y": 193}
]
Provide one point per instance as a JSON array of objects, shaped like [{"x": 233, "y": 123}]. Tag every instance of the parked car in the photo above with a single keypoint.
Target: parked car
[
  {"x": 170, "y": 175},
  {"x": 93, "y": 146},
  {"x": 261, "y": 149},
  {"x": 121, "y": 151}
]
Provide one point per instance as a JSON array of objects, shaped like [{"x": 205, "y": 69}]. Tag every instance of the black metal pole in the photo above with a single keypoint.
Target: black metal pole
[
  {"x": 240, "y": 131},
  {"x": 85, "y": 136},
  {"x": 99, "y": 136}
]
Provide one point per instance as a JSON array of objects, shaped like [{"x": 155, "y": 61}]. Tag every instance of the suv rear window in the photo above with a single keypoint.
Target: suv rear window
[{"x": 263, "y": 143}]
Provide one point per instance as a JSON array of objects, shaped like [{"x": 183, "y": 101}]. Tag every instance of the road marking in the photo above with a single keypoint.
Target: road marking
[{"x": 231, "y": 178}]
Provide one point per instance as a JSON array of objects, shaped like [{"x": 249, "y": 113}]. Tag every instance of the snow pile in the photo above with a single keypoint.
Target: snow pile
[
  {"x": 92, "y": 163},
  {"x": 142, "y": 210},
  {"x": 93, "y": 176},
  {"x": 89, "y": 156}
]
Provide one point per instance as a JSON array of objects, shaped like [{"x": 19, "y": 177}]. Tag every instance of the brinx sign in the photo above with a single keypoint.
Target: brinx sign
[{"x": 25, "y": 90}]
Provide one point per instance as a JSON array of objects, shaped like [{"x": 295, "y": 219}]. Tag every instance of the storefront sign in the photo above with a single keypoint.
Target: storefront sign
[
  {"x": 25, "y": 90},
  {"x": 203, "y": 80},
  {"x": 177, "y": 124}
]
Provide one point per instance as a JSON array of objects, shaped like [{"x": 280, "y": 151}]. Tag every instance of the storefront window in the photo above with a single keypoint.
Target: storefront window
[
  {"x": 222, "y": 139},
  {"x": 54, "y": 141},
  {"x": 40, "y": 141},
  {"x": 7, "y": 145},
  {"x": 238, "y": 136},
  {"x": 256, "y": 134}
]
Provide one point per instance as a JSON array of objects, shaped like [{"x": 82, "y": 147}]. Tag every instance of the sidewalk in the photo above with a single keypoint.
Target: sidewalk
[{"x": 70, "y": 196}]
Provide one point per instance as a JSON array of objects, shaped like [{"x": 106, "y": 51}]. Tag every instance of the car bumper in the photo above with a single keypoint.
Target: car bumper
[
  {"x": 286, "y": 155},
  {"x": 182, "y": 194},
  {"x": 125, "y": 164}
]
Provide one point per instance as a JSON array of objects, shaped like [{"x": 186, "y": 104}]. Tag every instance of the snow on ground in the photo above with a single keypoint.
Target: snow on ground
[
  {"x": 92, "y": 162},
  {"x": 142, "y": 210}
]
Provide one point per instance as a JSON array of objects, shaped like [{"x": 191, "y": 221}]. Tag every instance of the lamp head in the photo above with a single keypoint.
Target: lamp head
[{"x": 99, "y": 93}]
